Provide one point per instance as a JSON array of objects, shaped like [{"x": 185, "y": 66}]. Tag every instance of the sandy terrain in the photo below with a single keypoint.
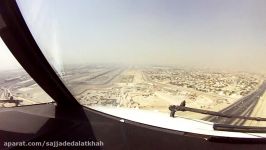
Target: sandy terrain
[
  {"x": 141, "y": 88},
  {"x": 22, "y": 88},
  {"x": 131, "y": 89}
]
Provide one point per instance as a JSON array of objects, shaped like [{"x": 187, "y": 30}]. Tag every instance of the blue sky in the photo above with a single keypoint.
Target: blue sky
[{"x": 204, "y": 33}]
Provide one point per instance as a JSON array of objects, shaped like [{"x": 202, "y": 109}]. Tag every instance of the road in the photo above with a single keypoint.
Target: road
[
  {"x": 243, "y": 107},
  {"x": 94, "y": 78},
  {"x": 98, "y": 80}
]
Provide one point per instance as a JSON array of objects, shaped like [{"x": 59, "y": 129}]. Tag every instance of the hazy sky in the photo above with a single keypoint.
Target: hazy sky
[
  {"x": 206, "y": 33},
  {"x": 7, "y": 60}
]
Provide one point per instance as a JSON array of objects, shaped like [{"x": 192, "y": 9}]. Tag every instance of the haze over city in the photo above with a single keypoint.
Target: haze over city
[{"x": 206, "y": 33}]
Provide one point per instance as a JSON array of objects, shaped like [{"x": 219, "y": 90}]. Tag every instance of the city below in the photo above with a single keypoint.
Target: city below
[{"x": 152, "y": 88}]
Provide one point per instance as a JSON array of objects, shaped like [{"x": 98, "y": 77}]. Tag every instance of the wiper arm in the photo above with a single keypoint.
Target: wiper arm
[
  {"x": 234, "y": 128},
  {"x": 222, "y": 127},
  {"x": 17, "y": 102},
  {"x": 174, "y": 108}
]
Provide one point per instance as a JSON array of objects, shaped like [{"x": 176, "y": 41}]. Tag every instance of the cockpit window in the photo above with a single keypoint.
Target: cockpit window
[
  {"x": 17, "y": 88},
  {"x": 208, "y": 56}
]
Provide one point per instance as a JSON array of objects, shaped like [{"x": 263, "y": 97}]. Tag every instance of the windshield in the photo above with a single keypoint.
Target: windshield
[
  {"x": 151, "y": 54},
  {"x": 17, "y": 88}
]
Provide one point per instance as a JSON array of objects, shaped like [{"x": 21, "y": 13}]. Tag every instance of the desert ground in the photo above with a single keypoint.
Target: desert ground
[{"x": 152, "y": 88}]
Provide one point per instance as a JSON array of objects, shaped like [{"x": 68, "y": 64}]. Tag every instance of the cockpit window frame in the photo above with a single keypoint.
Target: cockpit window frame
[{"x": 18, "y": 38}]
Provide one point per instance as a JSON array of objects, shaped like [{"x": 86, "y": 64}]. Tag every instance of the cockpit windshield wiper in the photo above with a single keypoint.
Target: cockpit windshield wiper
[
  {"x": 222, "y": 127},
  {"x": 174, "y": 108},
  {"x": 234, "y": 128}
]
